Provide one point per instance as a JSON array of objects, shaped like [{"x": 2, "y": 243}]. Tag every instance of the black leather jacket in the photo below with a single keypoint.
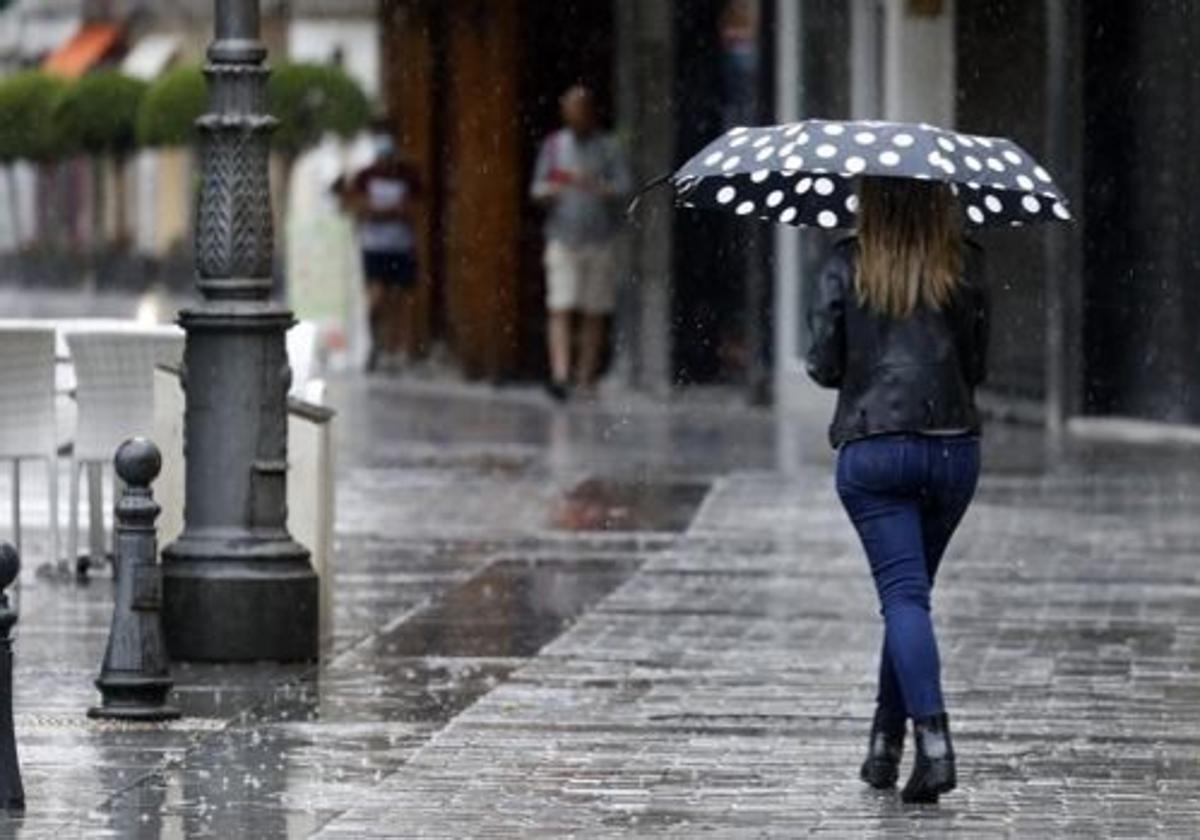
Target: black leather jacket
[{"x": 912, "y": 374}]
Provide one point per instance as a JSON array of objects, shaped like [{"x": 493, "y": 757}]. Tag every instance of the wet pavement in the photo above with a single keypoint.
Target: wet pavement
[{"x": 629, "y": 619}]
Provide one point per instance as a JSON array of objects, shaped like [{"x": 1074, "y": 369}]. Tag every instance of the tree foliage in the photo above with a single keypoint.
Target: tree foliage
[
  {"x": 29, "y": 126},
  {"x": 312, "y": 99},
  {"x": 99, "y": 113},
  {"x": 170, "y": 108}
]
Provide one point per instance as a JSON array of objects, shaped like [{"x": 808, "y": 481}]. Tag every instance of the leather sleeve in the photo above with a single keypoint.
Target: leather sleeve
[{"x": 826, "y": 358}]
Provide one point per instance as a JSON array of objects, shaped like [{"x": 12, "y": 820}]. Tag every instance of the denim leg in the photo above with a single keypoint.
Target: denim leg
[
  {"x": 890, "y": 530},
  {"x": 954, "y": 475},
  {"x": 889, "y": 697}
]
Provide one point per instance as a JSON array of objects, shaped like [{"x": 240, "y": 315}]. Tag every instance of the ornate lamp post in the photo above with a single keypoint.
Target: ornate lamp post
[{"x": 236, "y": 586}]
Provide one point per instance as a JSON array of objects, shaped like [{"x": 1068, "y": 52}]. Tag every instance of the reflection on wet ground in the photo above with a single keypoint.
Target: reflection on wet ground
[
  {"x": 599, "y": 505},
  {"x": 510, "y": 610}
]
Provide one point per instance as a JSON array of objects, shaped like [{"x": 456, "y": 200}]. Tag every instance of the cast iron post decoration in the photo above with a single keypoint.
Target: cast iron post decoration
[
  {"x": 135, "y": 678},
  {"x": 12, "y": 792},
  {"x": 236, "y": 586}
]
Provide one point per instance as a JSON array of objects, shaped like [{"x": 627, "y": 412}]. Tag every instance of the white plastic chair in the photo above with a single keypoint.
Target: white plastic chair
[
  {"x": 27, "y": 417},
  {"x": 114, "y": 374},
  {"x": 302, "y": 354}
]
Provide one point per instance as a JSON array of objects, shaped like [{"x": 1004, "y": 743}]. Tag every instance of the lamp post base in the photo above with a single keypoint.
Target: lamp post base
[{"x": 234, "y": 608}]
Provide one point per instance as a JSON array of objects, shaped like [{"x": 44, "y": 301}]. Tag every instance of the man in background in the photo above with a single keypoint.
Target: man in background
[
  {"x": 381, "y": 198},
  {"x": 581, "y": 178}
]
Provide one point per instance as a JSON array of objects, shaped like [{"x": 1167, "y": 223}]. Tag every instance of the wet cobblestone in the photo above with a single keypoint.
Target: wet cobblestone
[{"x": 703, "y": 672}]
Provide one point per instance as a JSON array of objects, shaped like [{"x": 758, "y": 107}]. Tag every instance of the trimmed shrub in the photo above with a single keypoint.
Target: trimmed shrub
[
  {"x": 170, "y": 108},
  {"x": 29, "y": 128},
  {"x": 312, "y": 99}
]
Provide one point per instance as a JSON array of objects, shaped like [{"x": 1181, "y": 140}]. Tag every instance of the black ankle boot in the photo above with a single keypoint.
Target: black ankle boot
[
  {"x": 882, "y": 767},
  {"x": 933, "y": 769}
]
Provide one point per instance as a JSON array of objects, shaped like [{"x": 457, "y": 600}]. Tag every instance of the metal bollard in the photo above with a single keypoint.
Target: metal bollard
[
  {"x": 135, "y": 678},
  {"x": 12, "y": 792}
]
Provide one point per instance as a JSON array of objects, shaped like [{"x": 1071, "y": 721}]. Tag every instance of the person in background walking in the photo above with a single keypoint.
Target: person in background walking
[
  {"x": 899, "y": 325},
  {"x": 581, "y": 178},
  {"x": 381, "y": 198}
]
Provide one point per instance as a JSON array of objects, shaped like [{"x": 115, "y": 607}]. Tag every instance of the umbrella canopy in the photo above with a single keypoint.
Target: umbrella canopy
[{"x": 803, "y": 173}]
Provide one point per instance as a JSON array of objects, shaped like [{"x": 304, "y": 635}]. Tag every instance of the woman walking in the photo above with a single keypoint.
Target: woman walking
[{"x": 899, "y": 325}]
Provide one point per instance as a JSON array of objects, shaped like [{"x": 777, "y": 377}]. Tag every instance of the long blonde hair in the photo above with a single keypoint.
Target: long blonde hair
[{"x": 909, "y": 245}]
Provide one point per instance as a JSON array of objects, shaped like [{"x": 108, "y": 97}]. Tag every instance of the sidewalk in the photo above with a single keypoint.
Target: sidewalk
[{"x": 629, "y": 619}]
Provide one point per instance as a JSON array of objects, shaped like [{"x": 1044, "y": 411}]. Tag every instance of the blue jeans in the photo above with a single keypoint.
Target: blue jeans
[{"x": 906, "y": 495}]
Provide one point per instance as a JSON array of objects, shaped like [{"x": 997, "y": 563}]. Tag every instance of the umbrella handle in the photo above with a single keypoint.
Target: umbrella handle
[{"x": 636, "y": 201}]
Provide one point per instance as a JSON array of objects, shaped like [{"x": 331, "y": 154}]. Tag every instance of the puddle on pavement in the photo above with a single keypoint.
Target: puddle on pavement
[
  {"x": 600, "y": 505},
  {"x": 510, "y": 609}
]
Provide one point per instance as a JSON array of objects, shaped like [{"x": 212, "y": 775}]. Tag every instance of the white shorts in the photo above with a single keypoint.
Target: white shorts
[{"x": 581, "y": 278}]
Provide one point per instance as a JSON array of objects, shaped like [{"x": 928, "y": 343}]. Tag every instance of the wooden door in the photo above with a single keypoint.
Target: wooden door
[{"x": 483, "y": 186}]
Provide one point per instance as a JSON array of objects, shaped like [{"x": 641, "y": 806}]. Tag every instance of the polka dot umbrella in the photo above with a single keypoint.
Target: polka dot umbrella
[{"x": 803, "y": 173}]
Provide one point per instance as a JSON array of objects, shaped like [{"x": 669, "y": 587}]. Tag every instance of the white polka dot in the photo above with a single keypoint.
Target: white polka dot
[
  {"x": 973, "y": 185},
  {"x": 731, "y": 164},
  {"x": 948, "y": 167},
  {"x": 823, "y": 186},
  {"x": 935, "y": 158},
  {"x": 1025, "y": 182},
  {"x": 835, "y": 130},
  {"x": 794, "y": 162},
  {"x": 788, "y": 216},
  {"x": 994, "y": 204},
  {"x": 975, "y": 214},
  {"x": 793, "y": 130},
  {"x": 995, "y": 164},
  {"x": 954, "y": 189},
  {"x": 903, "y": 140},
  {"x": 786, "y": 150},
  {"x": 864, "y": 138},
  {"x": 738, "y": 141},
  {"x": 827, "y": 219},
  {"x": 760, "y": 175},
  {"x": 1016, "y": 223},
  {"x": 726, "y": 195},
  {"x": 984, "y": 141},
  {"x": 946, "y": 143},
  {"x": 765, "y": 153},
  {"x": 741, "y": 129},
  {"x": 802, "y": 140},
  {"x": 1061, "y": 211},
  {"x": 889, "y": 158},
  {"x": 762, "y": 141},
  {"x": 852, "y": 203},
  {"x": 973, "y": 163},
  {"x": 714, "y": 159},
  {"x": 964, "y": 141},
  {"x": 1012, "y": 157},
  {"x": 1031, "y": 204},
  {"x": 745, "y": 208},
  {"x": 827, "y": 150},
  {"x": 1041, "y": 174},
  {"x": 854, "y": 165},
  {"x": 775, "y": 198},
  {"x": 803, "y": 185}
]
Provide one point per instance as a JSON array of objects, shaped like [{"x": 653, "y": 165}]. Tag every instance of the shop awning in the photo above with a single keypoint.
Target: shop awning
[
  {"x": 84, "y": 50},
  {"x": 150, "y": 57}
]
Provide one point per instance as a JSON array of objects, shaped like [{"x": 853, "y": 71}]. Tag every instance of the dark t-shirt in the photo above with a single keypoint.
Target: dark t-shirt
[{"x": 386, "y": 187}]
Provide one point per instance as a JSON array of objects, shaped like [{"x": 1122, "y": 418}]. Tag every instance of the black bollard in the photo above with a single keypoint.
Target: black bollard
[
  {"x": 135, "y": 678},
  {"x": 12, "y": 792}
]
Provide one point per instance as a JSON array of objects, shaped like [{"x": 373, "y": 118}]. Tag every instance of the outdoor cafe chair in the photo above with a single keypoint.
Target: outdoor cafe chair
[
  {"x": 114, "y": 374},
  {"x": 27, "y": 414}
]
